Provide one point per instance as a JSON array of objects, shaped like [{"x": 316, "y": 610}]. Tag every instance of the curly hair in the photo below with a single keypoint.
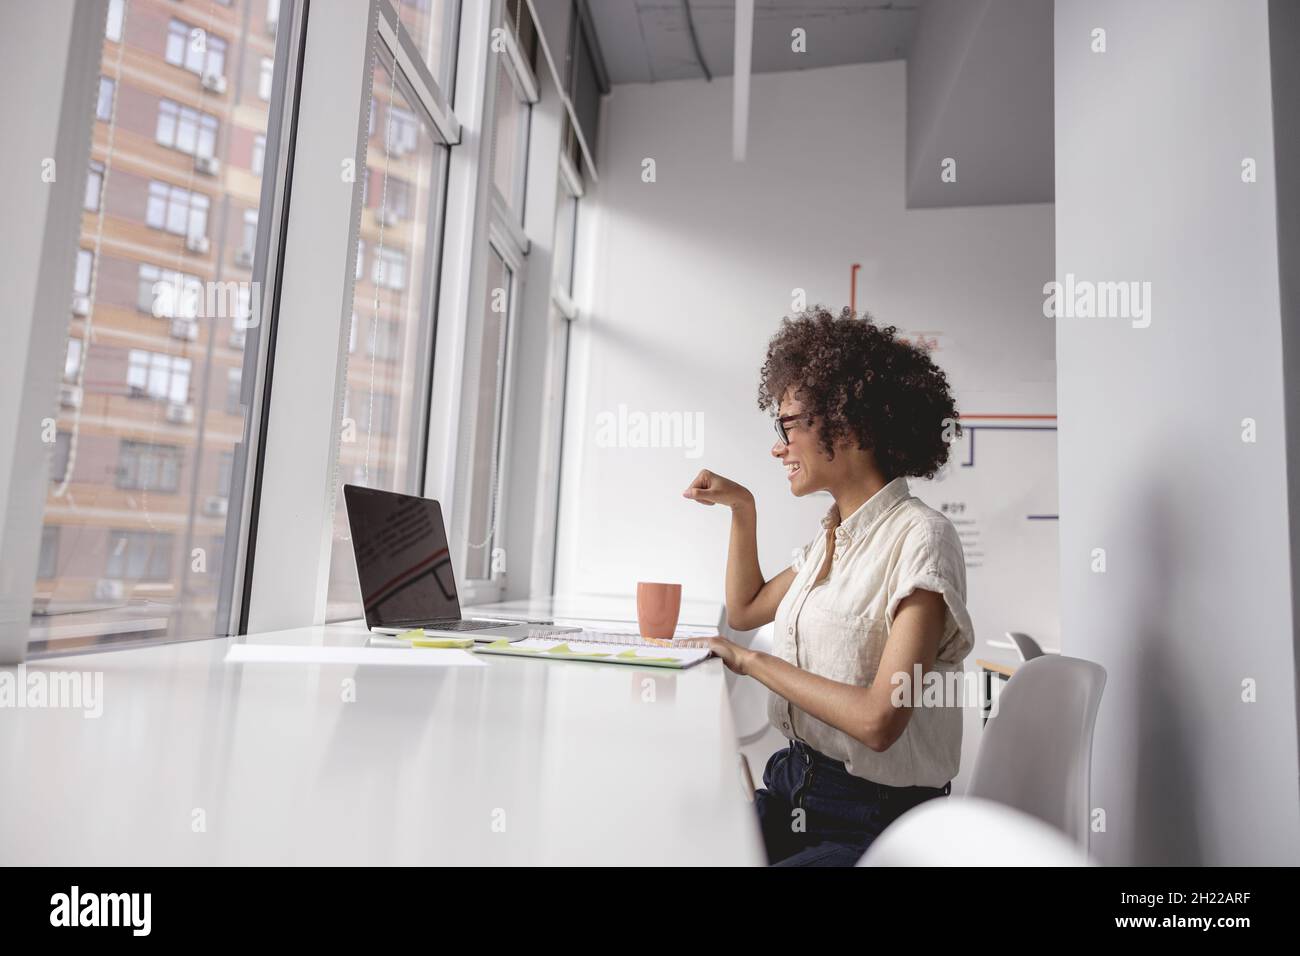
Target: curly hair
[{"x": 862, "y": 383}]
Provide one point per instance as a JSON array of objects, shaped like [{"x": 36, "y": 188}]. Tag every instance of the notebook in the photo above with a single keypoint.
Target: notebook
[{"x": 605, "y": 648}]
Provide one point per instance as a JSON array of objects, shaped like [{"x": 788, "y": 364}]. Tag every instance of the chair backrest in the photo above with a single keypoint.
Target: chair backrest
[
  {"x": 1036, "y": 752},
  {"x": 968, "y": 831},
  {"x": 1026, "y": 645}
]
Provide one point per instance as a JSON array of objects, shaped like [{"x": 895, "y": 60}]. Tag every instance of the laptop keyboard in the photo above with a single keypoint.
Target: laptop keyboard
[{"x": 470, "y": 625}]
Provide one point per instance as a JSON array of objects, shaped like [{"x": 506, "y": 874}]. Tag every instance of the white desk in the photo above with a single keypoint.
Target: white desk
[
  {"x": 415, "y": 771},
  {"x": 595, "y": 608}
]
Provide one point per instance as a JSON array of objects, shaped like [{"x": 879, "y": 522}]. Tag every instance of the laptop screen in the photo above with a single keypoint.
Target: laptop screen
[{"x": 403, "y": 562}]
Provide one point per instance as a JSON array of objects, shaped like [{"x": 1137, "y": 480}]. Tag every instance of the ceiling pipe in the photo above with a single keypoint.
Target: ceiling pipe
[{"x": 741, "y": 77}]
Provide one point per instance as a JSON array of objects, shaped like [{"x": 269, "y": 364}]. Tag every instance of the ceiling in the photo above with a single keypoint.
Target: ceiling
[{"x": 646, "y": 41}]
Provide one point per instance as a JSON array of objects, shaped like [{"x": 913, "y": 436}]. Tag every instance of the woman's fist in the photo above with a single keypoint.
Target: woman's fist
[{"x": 711, "y": 489}]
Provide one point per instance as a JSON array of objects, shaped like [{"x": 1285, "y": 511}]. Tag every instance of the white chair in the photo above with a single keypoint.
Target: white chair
[
  {"x": 1027, "y": 647},
  {"x": 748, "y": 696},
  {"x": 1036, "y": 752},
  {"x": 968, "y": 831}
]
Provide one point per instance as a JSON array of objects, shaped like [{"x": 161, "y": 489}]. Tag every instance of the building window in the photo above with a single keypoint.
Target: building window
[
  {"x": 142, "y": 466},
  {"x": 385, "y": 340},
  {"x": 48, "y": 566},
  {"x": 265, "y": 75},
  {"x": 168, "y": 294},
  {"x": 59, "y": 460},
  {"x": 186, "y": 129},
  {"x": 81, "y": 279},
  {"x": 177, "y": 210},
  {"x": 94, "y": 186},
  {"x": 249, "y": 240},
  {"x": 113, "y": 29},
  {"x": 158, "y": 375},
  {"x": 104, "y": 102},
  {"x": 234, "y": 381},
  {"x": 72, "y": 360},
  {"x": 259, "y": 155},
  {"x": 139, "y": 555},
  {"x": 194, "y": 49},
  {"x": 361, "y": 256},
  {"x": 390, "y": 269},
  {"x": 402, "y": 131}
]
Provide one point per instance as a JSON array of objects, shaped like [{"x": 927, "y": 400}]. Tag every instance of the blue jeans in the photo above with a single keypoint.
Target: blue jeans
[{"x": 842, "y": 815}]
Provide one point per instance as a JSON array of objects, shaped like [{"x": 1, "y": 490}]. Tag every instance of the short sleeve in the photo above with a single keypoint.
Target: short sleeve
[
  {"x": 931, "y": 559},
  {"x": 799, "y": 557}
]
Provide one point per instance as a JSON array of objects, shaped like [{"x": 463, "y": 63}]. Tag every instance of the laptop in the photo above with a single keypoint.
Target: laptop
[{"x": 404, "y": 566}]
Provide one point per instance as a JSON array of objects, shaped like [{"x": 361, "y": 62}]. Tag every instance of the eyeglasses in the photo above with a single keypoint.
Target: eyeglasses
[{"x": 780, "y": 426}]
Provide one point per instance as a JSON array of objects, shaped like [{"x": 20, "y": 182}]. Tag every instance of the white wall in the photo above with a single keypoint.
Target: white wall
[
  {"x": 1195, "y": 598},
  {"x": 688, "y": 277}
]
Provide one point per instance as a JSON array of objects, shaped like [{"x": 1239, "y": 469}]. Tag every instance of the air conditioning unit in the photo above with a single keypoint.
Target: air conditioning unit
[
  {"x": 70, "y": 396},
  {"x": 214, "y": 82},
  {"x": 389, "y": 217},
  {"x": 244, "y": 257},
  {"x": 81, "y": 305},
  {"x": 197, "y": 244},
  {"x": 186, "y": 329},
  {"x": 208, "y": 165},
  {"x": 180, "y": 413},
  {"x": 214, "y": 506},
  {"x": 238, "y": 337},
  {"x": 110, "y": 589}
]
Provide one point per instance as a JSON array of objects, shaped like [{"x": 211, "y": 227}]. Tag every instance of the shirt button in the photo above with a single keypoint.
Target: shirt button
[
  {"x": 785, "y": 726},
  {"x": 790, "y": 629}
]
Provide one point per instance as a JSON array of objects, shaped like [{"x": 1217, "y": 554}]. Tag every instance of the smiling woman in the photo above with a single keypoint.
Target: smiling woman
[{"x": 877, "y": 598}]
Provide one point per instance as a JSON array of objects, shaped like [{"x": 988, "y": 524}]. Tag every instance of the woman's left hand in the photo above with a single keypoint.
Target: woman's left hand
[{"x": 736, "y": 658}]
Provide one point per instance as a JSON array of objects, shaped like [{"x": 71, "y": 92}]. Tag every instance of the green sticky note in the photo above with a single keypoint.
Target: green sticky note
[{"x": 633, "y": 655}]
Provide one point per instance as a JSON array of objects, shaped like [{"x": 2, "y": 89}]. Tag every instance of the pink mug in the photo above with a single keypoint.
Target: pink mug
[{"x": 657, "y": 608}]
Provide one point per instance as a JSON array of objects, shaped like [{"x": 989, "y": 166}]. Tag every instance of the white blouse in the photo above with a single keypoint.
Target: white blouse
[{"x": 893, "y": 544}]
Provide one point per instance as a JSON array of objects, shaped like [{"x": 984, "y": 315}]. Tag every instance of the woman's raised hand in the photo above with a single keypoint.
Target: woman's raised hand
[{"x": 711, "y": 489}]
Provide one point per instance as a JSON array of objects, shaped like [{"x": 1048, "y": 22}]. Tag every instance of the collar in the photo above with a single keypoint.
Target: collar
[{"x": 873, "y": 508}]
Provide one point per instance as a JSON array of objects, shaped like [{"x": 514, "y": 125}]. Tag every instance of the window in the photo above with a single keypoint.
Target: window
[
  {"x": 94, "y": 186},
  {"x": 81, "y": 278},
  {"x": 390, "y": 268},
  {"x": 432, "y": 26},
  {"x": 390, "y": 339},
  {"x": 510, "y": 141},
  {"x": 177, "y": 210},
  {"x": 385, "y": 341},
  {"x": 248, "y": 238},
  {"x": 265, "y": 75},
  {"x": 113, "y": 29},
  {"x": 234, "y": 382},
  {"x": 194, "y": 49},
  {"x": 104, "y": 102},
  {"x": 139, "y": 555},
  {"x": 59, "y": 460},
  {"x": 142, "y": 466},
  {"x": 488, "y": 394},
  {"x": 72, "y": 361},
  {"x": 48, "y": 565},
  {"x": 165, "y": 99},
  {"x": 259, "y": 155},
  {"x": 186, "y": 129},
  {"x": 402, "y": 131},
  {"x": 158, "y": 375},
  {"x": 168, "y": 294}
]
